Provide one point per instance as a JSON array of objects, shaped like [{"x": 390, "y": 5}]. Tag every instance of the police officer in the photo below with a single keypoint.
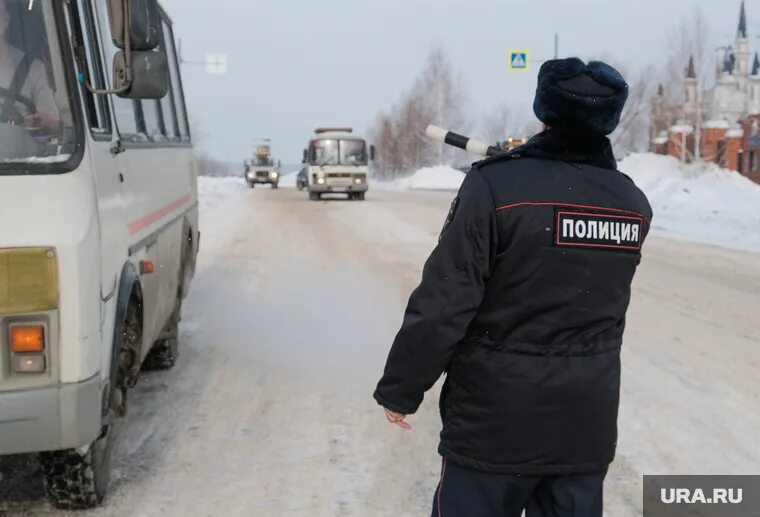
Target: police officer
[{"x": 523, "y": 304}]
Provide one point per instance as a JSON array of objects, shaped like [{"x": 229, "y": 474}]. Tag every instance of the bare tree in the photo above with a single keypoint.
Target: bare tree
[
  {"x": 387, "y": 147},
  {"x": 632, "y": 134},
  {"x": 441, "y": 96},
  {"x": 210, "y": 166},
  {"x": 498, "y": 124},
  {"x": 206, "y": 163},
  {"x": 690, "y": 41},
  {"x": 436, "y": 97}
]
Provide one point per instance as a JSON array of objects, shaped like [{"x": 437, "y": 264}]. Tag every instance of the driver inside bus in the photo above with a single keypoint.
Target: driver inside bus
[{"x": 24, "y": 79}]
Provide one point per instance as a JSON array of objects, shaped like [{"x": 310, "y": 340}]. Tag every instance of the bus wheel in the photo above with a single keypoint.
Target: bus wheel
[
  {"x": 314, "y": 196},
  {"x": 360, "y": 196},
  {"x": 76, "y": 480},
  {"x": 274, "y": 185},
  {"x": 163, "y": 354}
]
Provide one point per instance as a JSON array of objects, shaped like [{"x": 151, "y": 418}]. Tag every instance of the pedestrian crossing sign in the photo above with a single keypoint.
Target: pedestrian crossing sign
[{"x": 519, "y": 60}]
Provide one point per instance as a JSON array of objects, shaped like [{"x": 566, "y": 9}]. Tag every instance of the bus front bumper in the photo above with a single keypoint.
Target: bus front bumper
[
  {"x": 322, "y": 188},
  {"x": 52, "y": 418}
]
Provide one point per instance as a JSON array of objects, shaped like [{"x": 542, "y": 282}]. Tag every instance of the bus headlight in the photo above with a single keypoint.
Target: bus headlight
[
  {"x": 28, "y": 280},
  {"x": 321, "y": 181},
  {"x": 358, "y": 181}
]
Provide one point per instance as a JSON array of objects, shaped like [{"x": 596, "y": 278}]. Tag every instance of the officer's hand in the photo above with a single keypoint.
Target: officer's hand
[{"x": 398, "y": 419}]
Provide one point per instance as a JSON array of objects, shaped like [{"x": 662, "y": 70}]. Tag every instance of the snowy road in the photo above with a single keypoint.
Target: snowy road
[{"x": 295, "y": 303}]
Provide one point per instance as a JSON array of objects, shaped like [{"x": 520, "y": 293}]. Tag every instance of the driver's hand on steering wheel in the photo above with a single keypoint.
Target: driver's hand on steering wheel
[{"x": 41, "y": 120}]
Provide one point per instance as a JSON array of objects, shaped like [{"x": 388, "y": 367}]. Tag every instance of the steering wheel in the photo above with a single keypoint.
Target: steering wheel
[{"x": 14, "y": 116}]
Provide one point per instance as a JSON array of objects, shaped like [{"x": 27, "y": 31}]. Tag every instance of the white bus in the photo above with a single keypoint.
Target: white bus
[
  {"x": 337, "y": 160},
  {"x": 98, "y": 226}
]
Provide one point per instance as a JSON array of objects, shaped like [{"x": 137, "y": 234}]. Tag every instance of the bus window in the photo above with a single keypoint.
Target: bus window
[
  {"x": 152, "y": 119},
  {"x": 168, "y": 103},
  {"x": 86, "y": 35},
  {"x": 36, "y": 122},
  {"x": 176, "y": 81},
  {"x": 125, "y": 110}
]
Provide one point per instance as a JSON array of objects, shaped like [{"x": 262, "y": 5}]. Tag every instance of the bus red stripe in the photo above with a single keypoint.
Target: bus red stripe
[{"x": 144, "y": 222}]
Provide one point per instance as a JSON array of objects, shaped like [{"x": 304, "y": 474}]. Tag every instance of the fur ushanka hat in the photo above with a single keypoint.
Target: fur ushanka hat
[{"x": 575, "y": 96}]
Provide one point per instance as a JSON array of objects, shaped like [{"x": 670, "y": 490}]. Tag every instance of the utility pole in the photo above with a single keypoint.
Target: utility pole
[{"x": 556, "y": 46}]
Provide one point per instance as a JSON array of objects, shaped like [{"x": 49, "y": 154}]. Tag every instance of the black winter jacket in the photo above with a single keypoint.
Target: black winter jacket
[{"x": 523, "y": 304}]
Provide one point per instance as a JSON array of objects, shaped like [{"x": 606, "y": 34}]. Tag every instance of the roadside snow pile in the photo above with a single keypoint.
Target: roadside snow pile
[
  {"x": 441, "y": 177},
  {"x": 288, "y": 179},
  {"x": 698, "y": 202},
  {"x": 213, "y": 190}
]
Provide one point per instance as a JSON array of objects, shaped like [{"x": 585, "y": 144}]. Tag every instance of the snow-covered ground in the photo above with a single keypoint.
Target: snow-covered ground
[
  {"x": 699, "y": 203},
  {"x": 288, "y": 179},
  {"x": 213, "y": 191},
  {"x": 295, "y": 303}
]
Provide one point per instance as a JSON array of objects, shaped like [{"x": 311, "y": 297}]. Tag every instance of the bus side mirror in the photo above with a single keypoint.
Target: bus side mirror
[
  {"x": 140, "y": 18},
  {"x": 147, "y": 78},
  {"x": 372, "y": 153},
  {"x": 305, "y": 155}
]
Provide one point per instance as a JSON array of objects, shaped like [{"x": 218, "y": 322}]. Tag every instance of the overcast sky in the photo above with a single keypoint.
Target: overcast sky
[{"x": 298, "y": 64}]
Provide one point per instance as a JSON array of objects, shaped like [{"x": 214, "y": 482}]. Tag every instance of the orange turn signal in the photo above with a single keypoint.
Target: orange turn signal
[
  {"x": 147, "y": 267},
  {"x": 27, "y": 339}
]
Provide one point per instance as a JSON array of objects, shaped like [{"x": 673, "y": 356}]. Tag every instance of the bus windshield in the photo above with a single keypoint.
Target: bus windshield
[
  {"x": 338, "y": 152},
  {"x": 36, "y": 122}
]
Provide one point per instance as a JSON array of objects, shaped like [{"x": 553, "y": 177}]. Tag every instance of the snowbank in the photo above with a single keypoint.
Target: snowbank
[
  {"x": 288, "y": 180},
  {"x": 214, "y": 190},
  {"x": 441, "y": 177},
  {"x": 698, "y": 202}
]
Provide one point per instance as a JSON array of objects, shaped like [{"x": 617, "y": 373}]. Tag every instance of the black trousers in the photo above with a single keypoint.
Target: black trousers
[{"x": 469, "y": 493}]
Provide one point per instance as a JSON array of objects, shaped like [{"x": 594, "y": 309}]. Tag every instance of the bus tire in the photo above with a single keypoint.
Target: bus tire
[
  {"x": 75, "y": 481},
  {"x": 188, "y": 260},
  {"x": 79, "y": 481},
  {"x": 360, "y": 196},
  {"x": 163, "y": 353},
  {"x": 314, "y": 196}
]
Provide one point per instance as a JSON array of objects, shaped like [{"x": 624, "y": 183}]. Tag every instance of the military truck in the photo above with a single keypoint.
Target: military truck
[{"x": 262, "y": 168}]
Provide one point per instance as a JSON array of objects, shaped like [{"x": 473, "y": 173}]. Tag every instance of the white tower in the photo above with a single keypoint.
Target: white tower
[{"x": 742, "y": 53}]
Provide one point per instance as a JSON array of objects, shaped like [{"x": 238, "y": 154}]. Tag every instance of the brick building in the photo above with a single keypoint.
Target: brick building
[{"x": 722, "y": 124}]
